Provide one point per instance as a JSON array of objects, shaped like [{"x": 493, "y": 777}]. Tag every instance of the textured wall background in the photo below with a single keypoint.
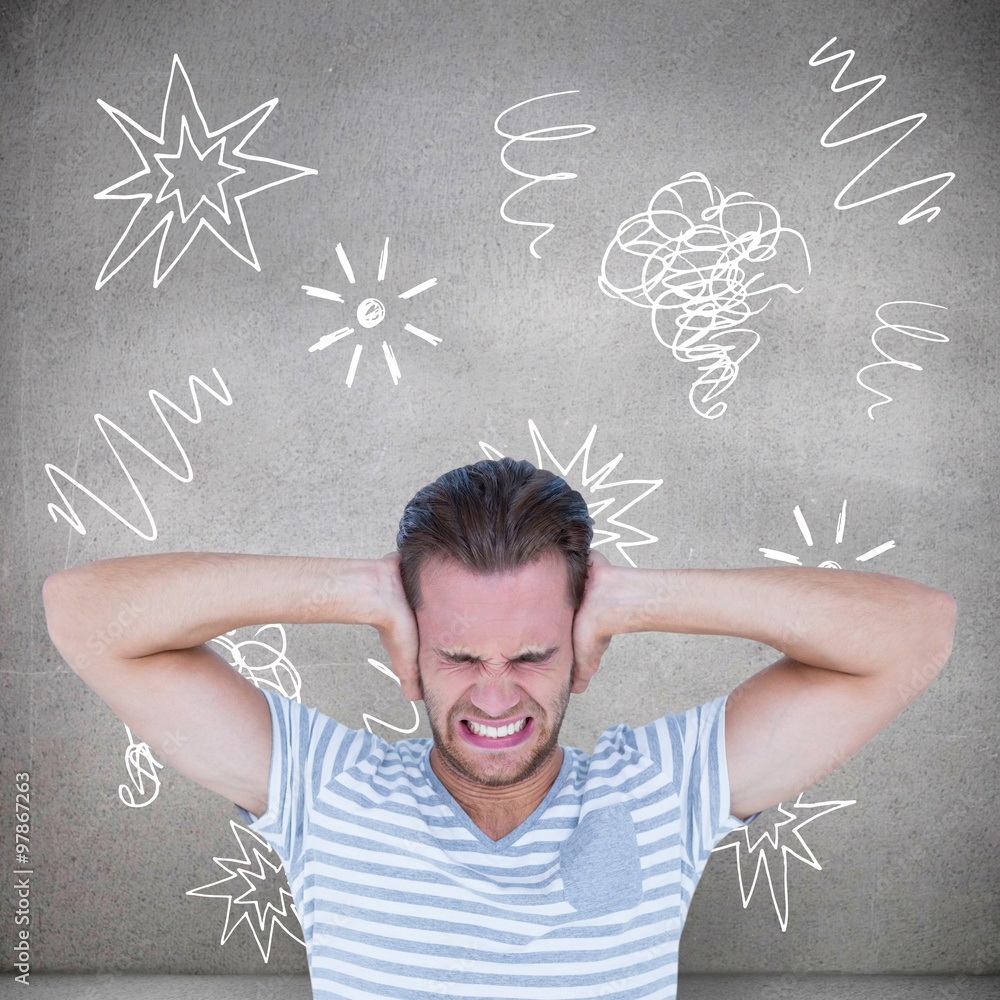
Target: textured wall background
[{"x": 392, "y": 107}]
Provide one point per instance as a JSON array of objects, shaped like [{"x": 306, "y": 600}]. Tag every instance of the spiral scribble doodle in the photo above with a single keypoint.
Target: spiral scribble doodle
[
  {"x": 913, "y": 121},
  {"x": 141, "y": 765},
  {"x": 551, "y": 133},
  {"x": 917, "y": 332},
  {"x": 687, "y": 258}
]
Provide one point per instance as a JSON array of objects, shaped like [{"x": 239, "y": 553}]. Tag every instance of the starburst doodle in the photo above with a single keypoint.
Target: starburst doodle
[
  {"x": 771, "y": 843},
  {"x": 191, "y": 178},
  {"x": 253, "y": 884},
  {"x": 595, "y": 483}
]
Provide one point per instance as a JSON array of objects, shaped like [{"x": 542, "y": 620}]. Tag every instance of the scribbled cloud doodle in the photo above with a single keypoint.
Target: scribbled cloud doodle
[
  {"x": 695, "y": 257},
  {"x": 912, "y": 121},
  {"x": 800, "y": 520},
  {"x": 612, "y": 500},
  {"x": 774, "y": 847},
  {"x": 549, "y": 133},
  {"x": 885, "y": 327},
  {"x": 254, "y": 891},
  {"x": 112, "y": 433},
  {"x": 191, "y": 178},
  {"x": 369, "y": 312},
  {"x": 265, "y": 664}
]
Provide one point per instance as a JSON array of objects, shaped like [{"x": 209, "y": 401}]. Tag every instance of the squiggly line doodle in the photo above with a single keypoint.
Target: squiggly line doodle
[
  {"x": 687, "y": 259},
  {"x": 551, "y": 133},
  {"x": 68, "y": 513},
  {"x": 745, "y": 850},
  {"x": 629, "y": 491},
  {"x": 205, "y": 171},
  {"x": 369, "y": 719},
  {"x": 914, "y": 121},
  {"x": 917, "y": 332}
]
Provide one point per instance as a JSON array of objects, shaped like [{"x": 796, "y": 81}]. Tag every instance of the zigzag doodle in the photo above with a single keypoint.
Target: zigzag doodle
[
  {"x": 914, "y": 121},
  {"x": 67, "y": 511}
]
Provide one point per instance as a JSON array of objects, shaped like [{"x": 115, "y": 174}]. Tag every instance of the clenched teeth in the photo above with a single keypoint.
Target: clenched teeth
[{"x": 493, "y": 733}]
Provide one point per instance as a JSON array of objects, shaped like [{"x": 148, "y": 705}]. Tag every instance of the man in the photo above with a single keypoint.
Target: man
[{"x": 492, "y": 862}]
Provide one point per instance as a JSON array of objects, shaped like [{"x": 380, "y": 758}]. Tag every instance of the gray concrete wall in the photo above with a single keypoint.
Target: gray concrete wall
[{"x": 385, "y": 129}]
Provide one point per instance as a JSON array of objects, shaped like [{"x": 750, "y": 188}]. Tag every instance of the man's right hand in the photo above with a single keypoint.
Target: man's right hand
[{"x": 397, "y": 627}]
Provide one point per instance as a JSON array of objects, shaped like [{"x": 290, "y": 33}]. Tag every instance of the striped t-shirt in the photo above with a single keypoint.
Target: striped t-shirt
[{"x": 401, "y": 895}]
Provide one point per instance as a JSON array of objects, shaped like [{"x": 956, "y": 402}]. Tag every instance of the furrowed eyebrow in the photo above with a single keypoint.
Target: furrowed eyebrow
[{"x": 528, "y": 656}]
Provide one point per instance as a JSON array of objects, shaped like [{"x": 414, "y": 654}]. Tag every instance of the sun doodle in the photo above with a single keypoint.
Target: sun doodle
[
  {"x": 800, "y": 520},
  {"x": 370, "y": 313}
]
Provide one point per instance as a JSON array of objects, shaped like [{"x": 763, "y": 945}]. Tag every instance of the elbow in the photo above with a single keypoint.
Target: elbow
[{"x": 61, "y": 600}]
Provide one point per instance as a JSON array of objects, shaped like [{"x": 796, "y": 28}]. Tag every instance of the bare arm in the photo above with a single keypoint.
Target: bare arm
[
  {"x": 858, "y": 648},
  {"x": 135, "y": 630}
]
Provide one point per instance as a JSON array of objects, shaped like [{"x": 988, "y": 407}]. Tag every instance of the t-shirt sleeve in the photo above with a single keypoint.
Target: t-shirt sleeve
[
  {"x": 691, "y": 749},
  {"x": 308, "y": 749}
]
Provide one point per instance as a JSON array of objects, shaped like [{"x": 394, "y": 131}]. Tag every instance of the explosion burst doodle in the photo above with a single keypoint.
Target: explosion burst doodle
[
  {"x": 807, "y": 535},
  {"x": 694, "y": 247},
  {"x": 370, "y": 312},
  {"x": 742, "y": 844},
  {"x": 200, "y": 180},
  {"x": 590, "y": 483},
  {"x": 253, "y": 884}
]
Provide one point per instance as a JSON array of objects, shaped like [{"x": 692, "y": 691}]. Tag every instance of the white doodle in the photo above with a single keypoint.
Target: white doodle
[
  {"x": 917, "y": 332},
  {"x": 141, "y": 766},
  {"x": 276, "y": 672},
  {"x": 104, "y": 425},
  {"x": 914, "y": 121},
  {"x": 370, "y": 313},
  {"x": 800, "y": 520},
  {"x": 694, "y": 247},
  {"x": 254, "y": 883},
  {"x": 745, "y": 849},
  {"x": 551, "y": 133},
  {"x": 369, "y": 719},
  {"x": 594, "y": 483},
  {"x": 201, "y": 180}
]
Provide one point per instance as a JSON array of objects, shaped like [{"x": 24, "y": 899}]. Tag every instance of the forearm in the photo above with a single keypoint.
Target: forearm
[
  {"x": 853, "y": 622},
  {"x": 130, "y": 608}
]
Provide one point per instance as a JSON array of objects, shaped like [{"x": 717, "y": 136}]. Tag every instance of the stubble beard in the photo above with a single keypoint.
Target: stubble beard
[{"x": 448, "y": 751}]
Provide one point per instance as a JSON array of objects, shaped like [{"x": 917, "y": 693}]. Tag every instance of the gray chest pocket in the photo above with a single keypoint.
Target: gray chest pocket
[{"x": 599, "y": 863}]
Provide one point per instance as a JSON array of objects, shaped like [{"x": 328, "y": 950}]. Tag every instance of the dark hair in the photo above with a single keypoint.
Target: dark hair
[{"x": 493, "y": 517}]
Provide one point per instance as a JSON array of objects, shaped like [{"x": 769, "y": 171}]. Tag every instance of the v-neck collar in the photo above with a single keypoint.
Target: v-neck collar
[{"x": 465, "y": 820}]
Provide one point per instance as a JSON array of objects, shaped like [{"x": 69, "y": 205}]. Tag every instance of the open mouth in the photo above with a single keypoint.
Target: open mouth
[{"x": 500, "y": 737}]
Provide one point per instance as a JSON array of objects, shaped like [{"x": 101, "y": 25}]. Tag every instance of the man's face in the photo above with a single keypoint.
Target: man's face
[{"x": 495, "y": 650}]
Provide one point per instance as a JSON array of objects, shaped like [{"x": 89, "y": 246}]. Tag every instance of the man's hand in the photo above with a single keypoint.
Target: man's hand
[
  {"x": 397, "y": 627},
  {"x": 594, "y": 624}
]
